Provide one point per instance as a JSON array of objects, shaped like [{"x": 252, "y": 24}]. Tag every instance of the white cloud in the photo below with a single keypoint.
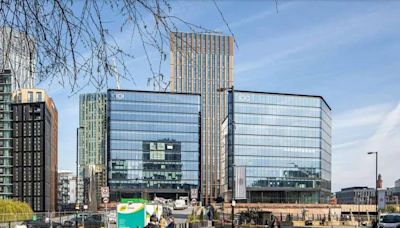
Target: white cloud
[
  {"x": 351, "y": 164},
  {"x": 365, "y": 116}
]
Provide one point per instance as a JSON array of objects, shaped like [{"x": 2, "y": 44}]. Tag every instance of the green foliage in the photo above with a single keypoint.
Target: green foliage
[
  {"x": 192, "y": 218},
  {"x": 201, "y": 217},
  {"x": 12, "y": 210},
  {"x": 246, "y": 217},
  {"x": 216, "y": 215},
  {"x": 391, "y": 209}
]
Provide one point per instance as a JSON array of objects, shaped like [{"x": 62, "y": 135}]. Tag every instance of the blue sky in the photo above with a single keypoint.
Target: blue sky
[{"x": 346, "y": 51}]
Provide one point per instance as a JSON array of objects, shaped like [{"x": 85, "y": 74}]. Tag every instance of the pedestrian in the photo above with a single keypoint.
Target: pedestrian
[
  {"x": 374, "y": 224},
  {"x": 272, "y": 222},
  {"x": 153, "y": 222},
  {"x": 210, "y": 213},
  {"x": 171, "y": 224},
  {"x": 162, "y": 223}
]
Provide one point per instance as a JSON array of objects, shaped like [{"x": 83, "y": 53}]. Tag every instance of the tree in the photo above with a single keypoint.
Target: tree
[
  {"x": 73, "y": 43},
  {"x": 391, "y": 209},
  {"x": 12, "y": 210}
]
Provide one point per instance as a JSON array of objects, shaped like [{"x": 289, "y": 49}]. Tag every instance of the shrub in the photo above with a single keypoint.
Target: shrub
[
  {"x": 216, "y": 215},
  {"x": 201, "y": 217},
  {"x": 12, "y": 210},
  {"x": 192, "y": 218},
  {"x": 390, "y": 209}
]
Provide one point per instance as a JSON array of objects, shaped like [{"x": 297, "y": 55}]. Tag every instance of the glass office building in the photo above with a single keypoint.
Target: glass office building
[
  {"x": 153, "y": 143},
  {"x": 284, "y": 143}
]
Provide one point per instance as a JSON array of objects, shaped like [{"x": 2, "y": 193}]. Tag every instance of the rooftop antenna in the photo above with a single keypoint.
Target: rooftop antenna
[{"x": 116, "y": 74}]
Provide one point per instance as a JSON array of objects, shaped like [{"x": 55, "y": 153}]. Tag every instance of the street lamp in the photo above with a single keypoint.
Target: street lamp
[
  {"x": 77, "y": 160},
  {"x": 233, "y": 204},
  {"x": 376, "y": 181},
  {"x": 77, "y": 171}
]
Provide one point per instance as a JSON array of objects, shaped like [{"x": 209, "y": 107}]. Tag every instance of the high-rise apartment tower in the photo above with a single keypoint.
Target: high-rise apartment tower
[
  {"x": 35, "y": 127},
  {"x": 92, "y": 136},
  {"x": 203, "y": 63},
  {"x": 18, "y": 54},
  {"x": 5, "y": 135}
]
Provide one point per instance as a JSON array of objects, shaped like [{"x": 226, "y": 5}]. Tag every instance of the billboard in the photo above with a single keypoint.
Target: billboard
[
  {"x": 130, "y": 215},
  {"x": 240, "y": 182}
]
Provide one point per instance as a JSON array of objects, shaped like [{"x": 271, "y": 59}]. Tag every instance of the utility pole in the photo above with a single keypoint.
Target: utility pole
[{"x": 233, "y": 203}]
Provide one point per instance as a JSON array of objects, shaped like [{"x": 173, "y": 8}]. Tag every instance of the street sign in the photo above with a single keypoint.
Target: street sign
[
  {"x": 77, "y": 206},
  {"x": 105, "y": 192},
  {"x": 106, "y": 200},
  {"x": 193, "y": 193}
]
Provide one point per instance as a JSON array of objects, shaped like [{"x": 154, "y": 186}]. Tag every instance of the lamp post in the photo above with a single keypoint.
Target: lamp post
[
  {"x": 233, "y": 204},
  {"x": 376, "y": 181},
  {"x": 77, "y": 171}
]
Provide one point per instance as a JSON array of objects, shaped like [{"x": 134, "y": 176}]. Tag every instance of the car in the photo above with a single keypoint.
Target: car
[
  {"x": 40, "y": 224},
  {"x": 72, "y": 222},
  {"x": 91, "y": 222},
  {"x": 391, "y": 220}
]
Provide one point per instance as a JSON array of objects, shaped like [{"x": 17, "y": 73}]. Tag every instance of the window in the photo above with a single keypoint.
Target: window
[
  {"x": 30, "y": 96},
  {"x": 39, "y": 96}
]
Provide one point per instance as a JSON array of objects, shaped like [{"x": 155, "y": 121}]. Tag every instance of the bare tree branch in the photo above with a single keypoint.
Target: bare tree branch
[{"x": 70, "y": 41}]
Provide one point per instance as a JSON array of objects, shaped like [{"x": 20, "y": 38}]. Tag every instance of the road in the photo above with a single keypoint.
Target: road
[{"x": 182, "y": 215}]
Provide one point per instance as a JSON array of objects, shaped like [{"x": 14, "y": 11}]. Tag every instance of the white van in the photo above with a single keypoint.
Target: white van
[{"x": 180, "y": 204}]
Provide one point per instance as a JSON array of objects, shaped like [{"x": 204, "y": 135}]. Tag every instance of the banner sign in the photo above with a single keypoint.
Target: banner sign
[
  {"x": 130, "y": 215},
  {"x": 381, "y": 198},
  {"x": 240, "y": 182}
]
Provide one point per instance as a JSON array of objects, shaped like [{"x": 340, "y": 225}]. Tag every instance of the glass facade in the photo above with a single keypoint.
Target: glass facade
[
  {"x": 153, "y": 143},
  {"x": 284, "y": 141}
]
